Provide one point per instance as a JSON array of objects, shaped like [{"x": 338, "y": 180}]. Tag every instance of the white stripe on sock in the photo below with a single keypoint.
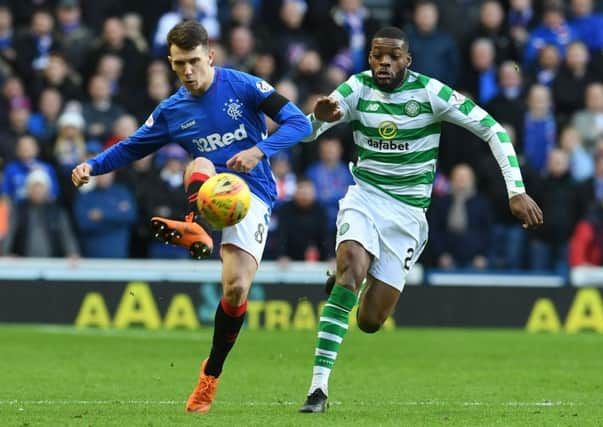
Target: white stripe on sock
[
  {"x": 334, "y": 321},
  {"x": 337, "y": 307},
  {"x": 330, "y": 337},
  {"x": 326, "y": 353}
]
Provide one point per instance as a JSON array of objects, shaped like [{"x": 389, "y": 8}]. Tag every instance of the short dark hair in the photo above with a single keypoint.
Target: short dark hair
[
  {"x": 188, "y": 35},
  {"x": 392, "y": 33}
]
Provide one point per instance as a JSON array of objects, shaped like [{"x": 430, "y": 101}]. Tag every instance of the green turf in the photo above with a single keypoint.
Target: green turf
[{"x": 57, "y": 376}]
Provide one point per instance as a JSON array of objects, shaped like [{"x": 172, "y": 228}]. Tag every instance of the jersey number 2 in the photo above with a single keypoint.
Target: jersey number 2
[{"x": 410, "y": 252}]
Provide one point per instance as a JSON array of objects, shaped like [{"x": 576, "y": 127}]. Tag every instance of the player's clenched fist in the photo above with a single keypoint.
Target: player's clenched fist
[
  {"x": 244, "y": 161},
  {"x": 80, "y": 174},
  {"x": 526, "y": 210}
]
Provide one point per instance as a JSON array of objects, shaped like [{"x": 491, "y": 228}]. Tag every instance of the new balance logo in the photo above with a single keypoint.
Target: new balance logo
[
  {"x": 372, "y": 107},
  {"x": 215, "y": 141},
  {"x": 187, "y": 124}
]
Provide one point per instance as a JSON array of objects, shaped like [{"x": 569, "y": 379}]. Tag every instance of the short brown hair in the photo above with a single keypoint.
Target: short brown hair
[{"x": 188, "y": 35}]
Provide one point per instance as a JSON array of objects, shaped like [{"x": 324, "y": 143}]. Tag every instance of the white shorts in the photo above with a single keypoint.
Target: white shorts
[
  {"x": 251, "y": 233},
  {"x": 393, "y": 232}
]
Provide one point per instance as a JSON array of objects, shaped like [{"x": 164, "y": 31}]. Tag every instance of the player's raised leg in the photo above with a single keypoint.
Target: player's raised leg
[
  {"x": 238, "y": 270},
  {"x": 352, "y": 265},
  {"x": 189, "y": 233},
  {"x": 196, "y": 173},
  {"x": 376, "y": 303}
]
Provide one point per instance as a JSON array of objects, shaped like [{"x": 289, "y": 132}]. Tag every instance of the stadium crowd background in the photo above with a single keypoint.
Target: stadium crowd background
[{"x": 79, "y": 76}]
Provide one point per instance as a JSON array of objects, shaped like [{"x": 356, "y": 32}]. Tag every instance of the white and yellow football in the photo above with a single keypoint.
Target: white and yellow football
[{"x": 224, "y": 200}]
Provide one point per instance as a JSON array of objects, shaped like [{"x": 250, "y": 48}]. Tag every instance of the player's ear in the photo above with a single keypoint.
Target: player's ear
[
  {"x": 170, "y": 61},
  {"x": 211, "y": 56},
  {"x": 408, "y": 59}
]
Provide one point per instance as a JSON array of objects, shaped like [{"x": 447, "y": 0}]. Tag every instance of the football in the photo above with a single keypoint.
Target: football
[{"x": 224, "y": 200}]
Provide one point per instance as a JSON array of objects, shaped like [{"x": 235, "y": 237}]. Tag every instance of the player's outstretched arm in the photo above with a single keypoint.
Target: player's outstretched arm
[
  {"x": 524, "y": 208},
  {"x": 455, "y": 108},
  {"x": 327, "y": 113}
]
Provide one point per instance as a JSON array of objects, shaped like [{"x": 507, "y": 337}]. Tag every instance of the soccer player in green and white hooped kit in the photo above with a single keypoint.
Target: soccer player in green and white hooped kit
[{"x": 396, "y": 115}]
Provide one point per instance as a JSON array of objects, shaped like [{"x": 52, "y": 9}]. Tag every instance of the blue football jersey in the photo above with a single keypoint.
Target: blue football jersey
[{"x": 223, "y": 121}]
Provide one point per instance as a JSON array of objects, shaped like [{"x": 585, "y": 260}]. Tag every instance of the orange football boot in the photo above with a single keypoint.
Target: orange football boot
[
  {"x": 204, "y": 393},
  {"x": 185, "y": 233}
]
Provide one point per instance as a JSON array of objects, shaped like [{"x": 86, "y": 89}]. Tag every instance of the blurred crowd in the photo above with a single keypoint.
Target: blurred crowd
[{"x": 78, "y": 76}]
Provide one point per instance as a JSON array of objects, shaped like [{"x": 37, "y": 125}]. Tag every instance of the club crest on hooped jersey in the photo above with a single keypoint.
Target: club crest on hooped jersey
[
  {"x": 233, "y": 108},
  {"x": 412, "y": 108},
  {"x": 387, "y": 129},
  {"x": 344, "y": 228}
]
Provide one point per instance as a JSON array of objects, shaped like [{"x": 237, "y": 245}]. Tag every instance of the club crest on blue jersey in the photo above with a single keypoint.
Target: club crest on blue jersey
[
  {"x": 233, "y": 108},
  {"x": 264, "y": 86}
]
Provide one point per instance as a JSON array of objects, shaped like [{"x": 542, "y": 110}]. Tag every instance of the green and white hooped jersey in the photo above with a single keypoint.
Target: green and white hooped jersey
[{"x": 397, "y": 134}]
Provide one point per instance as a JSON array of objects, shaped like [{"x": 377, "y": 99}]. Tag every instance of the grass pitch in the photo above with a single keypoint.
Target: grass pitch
[{"x": 61, "y": 376}]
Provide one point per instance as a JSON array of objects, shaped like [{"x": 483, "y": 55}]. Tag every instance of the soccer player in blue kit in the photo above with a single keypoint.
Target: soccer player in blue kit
[{"x": 218, "y": 117}]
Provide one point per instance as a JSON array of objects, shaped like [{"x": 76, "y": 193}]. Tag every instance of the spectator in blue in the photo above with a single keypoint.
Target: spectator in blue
[
  {"x": 481, "y": 78},
  {"x": 460, "y": 224},
  {"x": 587, "y": 25},
  {"x": 434, "y": 52},
  {"x": 331, "y": 178},
  {"x": 547, "y": 67},
  {"x": 43, "y": 123},
  {"x": 16, "y": 172},
  {"x": 539, "y": 128},
  {"x": 34, "y": 46},
  {"x": 521, "y": 19},
  {"x": 553, "y": 30},
  {"x": 104, "y": 216}
]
